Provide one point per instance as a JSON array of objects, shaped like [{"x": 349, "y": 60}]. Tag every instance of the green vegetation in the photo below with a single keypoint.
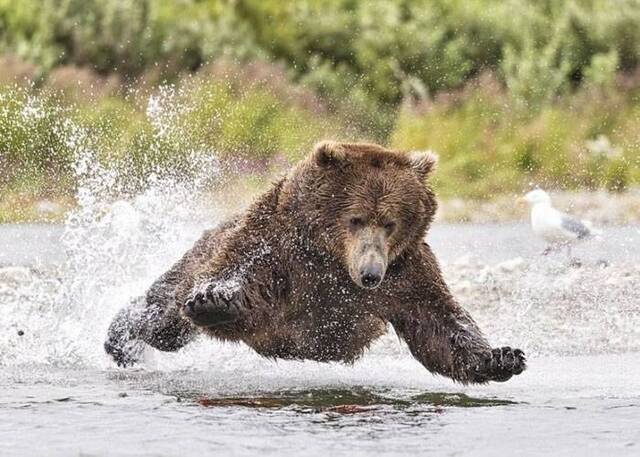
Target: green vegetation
[
  {"x": 387, "y": 49},
  {"x": 163, "y": 132},
  {"x": 489, "y": 146},
  {"x": 508, "y": 92}
]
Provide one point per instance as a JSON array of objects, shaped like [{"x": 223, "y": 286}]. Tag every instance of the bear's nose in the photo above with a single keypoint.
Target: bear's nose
[{"x": 371, "y": 276}]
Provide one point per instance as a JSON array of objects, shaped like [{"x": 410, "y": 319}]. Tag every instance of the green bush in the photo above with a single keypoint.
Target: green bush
[
  {"x": 602, "y": 69},
  {"x": 31, "y": 151},
  {"x": 489, "y": 147},
  {"x": 385, "y": 50},
  {"x": 123, "y": 37}
]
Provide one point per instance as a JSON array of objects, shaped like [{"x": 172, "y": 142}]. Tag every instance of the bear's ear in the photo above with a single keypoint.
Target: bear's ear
[
  {"x": 328, "y": 153},
  {"x": 423, "y": 162}
]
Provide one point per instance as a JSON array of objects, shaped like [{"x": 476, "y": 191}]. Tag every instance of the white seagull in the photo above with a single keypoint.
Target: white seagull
[{"x": 556, "y": 228}]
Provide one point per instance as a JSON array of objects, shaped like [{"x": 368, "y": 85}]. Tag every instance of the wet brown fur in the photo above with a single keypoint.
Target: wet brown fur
[{"x": 290, "y": 255}]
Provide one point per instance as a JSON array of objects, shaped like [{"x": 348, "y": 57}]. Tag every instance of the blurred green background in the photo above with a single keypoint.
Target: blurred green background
[{"x": 510, "y": 92}]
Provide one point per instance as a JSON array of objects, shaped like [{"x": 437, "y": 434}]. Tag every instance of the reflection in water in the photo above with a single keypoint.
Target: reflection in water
[{"x": 346, "y": 401}]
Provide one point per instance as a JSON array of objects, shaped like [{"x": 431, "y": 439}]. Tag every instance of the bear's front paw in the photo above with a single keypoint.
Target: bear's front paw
[
  {"x": 214, "y": 304},
  {"x": 502, "y": 364}
]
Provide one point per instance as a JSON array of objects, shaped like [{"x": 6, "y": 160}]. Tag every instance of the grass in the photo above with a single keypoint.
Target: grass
[
  {"x": 489, "y": 147},
  {"x": 254, "y": 126},
  {"x": 16, "y": 207}
]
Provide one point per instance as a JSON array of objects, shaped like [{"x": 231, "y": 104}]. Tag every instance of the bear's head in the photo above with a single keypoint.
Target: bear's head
[{"x": 365, "y": 205}]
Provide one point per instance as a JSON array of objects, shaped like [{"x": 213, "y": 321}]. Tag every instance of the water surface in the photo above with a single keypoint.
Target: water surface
[{"x": 60, "y": 396}]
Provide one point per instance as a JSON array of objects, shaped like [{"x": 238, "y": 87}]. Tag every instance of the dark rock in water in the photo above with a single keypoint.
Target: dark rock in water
[{"x": 575, "y": 263}]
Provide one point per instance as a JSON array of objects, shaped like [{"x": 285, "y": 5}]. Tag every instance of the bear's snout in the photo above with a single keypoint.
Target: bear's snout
[
  {"x": 371, "y": 275},
  {"x": 368, "y": 258}
]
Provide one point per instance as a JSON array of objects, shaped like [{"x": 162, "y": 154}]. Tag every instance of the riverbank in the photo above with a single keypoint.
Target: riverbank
[{"x": 602, "y": 208}]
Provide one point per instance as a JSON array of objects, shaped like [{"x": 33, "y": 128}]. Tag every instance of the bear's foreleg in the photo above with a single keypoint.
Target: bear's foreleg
[
  {"x": 440, "y": 333},
  {"x": 452, "y": 345}
]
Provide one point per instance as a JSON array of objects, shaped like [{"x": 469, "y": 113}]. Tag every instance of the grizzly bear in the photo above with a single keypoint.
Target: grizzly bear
[{"x": 316, "y": 268}]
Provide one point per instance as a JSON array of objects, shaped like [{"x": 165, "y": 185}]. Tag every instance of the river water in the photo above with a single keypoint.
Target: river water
[{"x": 61, "y": 396}]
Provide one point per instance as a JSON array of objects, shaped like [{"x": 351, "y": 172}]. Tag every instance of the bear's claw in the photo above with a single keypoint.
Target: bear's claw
[
  {"x": 503, "y": 364},
  {"x": 213, "y": 306}
]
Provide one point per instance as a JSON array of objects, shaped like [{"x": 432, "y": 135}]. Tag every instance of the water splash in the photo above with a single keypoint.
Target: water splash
[
  {"x": 116, "y": 244},
  {"x": 551, "y": 307}
]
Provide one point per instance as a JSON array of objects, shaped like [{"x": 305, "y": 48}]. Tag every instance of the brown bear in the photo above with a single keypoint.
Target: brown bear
[{"x": 316, "y": 268}]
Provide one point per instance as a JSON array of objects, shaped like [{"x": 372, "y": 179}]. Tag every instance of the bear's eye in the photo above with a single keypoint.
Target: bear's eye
[
  {"x": 389, "y": 227},
  {"x": 356, "y": 223}
]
